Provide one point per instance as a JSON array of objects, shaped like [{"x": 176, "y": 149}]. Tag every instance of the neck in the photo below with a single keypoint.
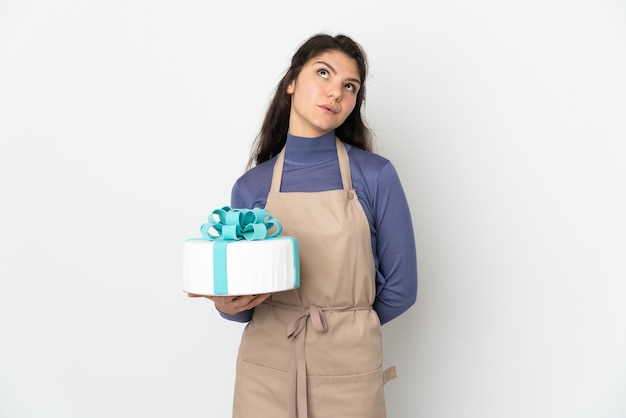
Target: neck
[{"x": 301, "y": 150}]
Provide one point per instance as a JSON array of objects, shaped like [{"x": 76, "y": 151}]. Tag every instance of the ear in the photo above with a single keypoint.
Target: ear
[{"x": 291, "y": 87}]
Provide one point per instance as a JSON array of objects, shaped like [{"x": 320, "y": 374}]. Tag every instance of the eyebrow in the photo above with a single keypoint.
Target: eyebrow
[{"x": 354, "y": 80}]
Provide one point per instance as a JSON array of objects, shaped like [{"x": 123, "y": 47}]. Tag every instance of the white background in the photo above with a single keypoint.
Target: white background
[{"x": 124, "y": 123}]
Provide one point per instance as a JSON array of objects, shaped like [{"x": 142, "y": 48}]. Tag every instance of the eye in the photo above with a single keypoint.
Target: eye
[
  {"x": 323, "y": 72},
  {"x": 350, "y": 87}
]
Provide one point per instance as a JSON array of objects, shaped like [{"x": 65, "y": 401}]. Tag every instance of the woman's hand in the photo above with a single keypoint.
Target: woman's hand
[{"x": 232, "y": 305}]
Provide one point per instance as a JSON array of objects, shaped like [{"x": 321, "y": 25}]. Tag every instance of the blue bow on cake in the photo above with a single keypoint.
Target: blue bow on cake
[{"x": 236, "y": 224}]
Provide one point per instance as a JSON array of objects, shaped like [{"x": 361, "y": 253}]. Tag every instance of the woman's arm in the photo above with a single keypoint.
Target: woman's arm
[{"x": 395, "y": 246}]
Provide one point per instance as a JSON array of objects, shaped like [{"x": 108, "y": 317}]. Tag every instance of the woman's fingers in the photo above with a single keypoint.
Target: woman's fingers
[{"x": 232, "y": 305}]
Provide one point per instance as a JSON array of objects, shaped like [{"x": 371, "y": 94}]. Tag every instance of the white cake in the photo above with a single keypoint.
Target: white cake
[{"x": 215, "y": 265}]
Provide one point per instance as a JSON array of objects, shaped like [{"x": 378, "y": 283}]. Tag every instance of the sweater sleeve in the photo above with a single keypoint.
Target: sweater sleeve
[{"x": 395, "y": 247}]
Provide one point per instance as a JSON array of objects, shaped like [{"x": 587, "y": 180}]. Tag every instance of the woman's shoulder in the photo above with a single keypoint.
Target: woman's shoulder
[
  {"x": 373, "y": 172},
  {"x": 251, "y": 188},
  {"x": 368, "y": 160},
  {"x": 258, "y": 171}
]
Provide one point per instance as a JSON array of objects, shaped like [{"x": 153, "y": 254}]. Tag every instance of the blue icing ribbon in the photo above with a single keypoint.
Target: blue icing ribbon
[{"x": 227, "y": 225}]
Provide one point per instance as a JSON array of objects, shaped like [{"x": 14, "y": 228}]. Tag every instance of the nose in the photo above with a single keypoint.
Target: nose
[{"x": 335, "y": 93}]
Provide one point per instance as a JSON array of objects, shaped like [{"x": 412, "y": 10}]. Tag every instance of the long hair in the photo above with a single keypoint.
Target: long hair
[{"x": 273, "y": 133}]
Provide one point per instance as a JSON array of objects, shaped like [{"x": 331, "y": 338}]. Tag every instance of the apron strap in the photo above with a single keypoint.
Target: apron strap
[
  {"x": 277, "y": 177},
  {"x": 344, "y": 168},
  {"x": 296, "y": 331},
  {"x": 344, "y": 164},
  {"x": 389, "y": 374}
]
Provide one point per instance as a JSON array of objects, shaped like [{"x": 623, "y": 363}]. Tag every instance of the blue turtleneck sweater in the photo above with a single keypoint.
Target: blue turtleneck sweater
[{"x": 311, "y": 165}]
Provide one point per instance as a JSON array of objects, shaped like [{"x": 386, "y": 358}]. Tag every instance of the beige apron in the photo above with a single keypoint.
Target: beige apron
[{"x": 316, "y": 351}]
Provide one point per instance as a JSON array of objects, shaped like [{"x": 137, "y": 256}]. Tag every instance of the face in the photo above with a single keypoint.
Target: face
[{"x": 323, "y": 95}]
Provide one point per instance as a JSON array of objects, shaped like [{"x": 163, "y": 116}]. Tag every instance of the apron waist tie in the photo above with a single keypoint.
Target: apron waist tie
[{"x": 297, "y": 395}]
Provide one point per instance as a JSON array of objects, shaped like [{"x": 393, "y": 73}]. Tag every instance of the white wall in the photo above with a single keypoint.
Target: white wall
[{"x": 124, "y": 123}]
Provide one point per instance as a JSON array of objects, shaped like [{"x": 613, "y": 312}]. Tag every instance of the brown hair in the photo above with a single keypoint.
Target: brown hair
[{"x": 273, "y": 133}]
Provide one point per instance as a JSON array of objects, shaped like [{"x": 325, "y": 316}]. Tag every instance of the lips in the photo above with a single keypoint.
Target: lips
[{"x": 329, "y": 108}]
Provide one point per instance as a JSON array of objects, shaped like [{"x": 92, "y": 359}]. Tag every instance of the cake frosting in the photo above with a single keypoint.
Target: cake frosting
[{"x": 241, "y": 252}]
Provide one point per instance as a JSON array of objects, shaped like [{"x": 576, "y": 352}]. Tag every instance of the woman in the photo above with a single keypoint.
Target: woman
[{"x": 316, "y": 351}]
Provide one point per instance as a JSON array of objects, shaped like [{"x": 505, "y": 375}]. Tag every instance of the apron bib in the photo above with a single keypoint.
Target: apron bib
[{"x": 316, "y": 351}]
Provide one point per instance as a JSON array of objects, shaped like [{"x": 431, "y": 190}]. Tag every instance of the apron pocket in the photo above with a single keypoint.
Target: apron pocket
[
  {"x": 347, "y": 396},
  {"x": 260, "y": 392}
]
